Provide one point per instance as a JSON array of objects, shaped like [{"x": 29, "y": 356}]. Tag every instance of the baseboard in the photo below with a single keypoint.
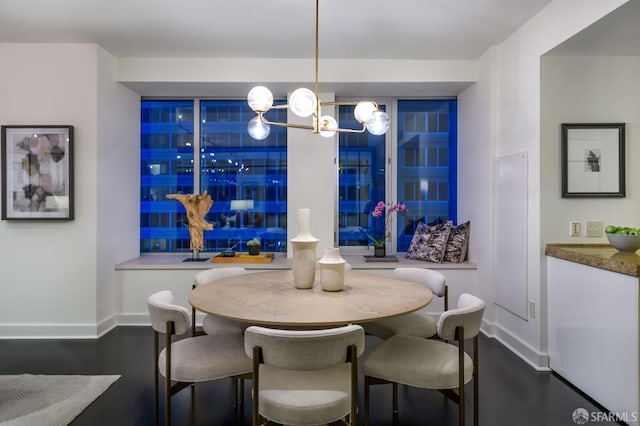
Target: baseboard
[
  {"x": 48, "y": 331},
  {"x": 76, "y": 331},
  {"x": 537, "y": 360},
  {"x": 133, "y": 319},
  {"x": 107, "y": 325}
]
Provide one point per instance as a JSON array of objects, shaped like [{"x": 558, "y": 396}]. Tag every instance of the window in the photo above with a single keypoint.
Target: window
[
  {"x": 426, "y": 164},
  {"x": 424, "y": 138},
  {"x": 247, "y": 179},
  {"x": 193, "y": 145},
  {"x": 166, "y": 137},
  {"x": 361, "y": 181}
]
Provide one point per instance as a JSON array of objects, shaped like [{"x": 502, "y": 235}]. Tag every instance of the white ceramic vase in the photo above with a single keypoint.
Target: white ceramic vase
[
  {"x": 332, "y": 267},
  {"x": 304, "y": 252}
]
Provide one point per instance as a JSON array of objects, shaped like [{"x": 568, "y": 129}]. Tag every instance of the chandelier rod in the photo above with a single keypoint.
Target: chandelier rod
[
  {"x": 261, "y": 100},
  {"x": 317, "y": 44}
]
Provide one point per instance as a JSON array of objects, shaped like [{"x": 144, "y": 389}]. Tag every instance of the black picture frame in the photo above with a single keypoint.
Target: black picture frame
[
  {"x": 593, "y": 160},
  {"x": 37, "y": 172}
]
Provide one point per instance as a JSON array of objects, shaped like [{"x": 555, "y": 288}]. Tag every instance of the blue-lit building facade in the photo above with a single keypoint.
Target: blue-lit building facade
[{"x": 204, "y": 144}]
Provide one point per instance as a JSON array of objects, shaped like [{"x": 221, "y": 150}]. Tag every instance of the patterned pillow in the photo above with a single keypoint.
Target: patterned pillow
[
  {"x": 456, "y": 250},
  {"x": 429, "y": 242}
]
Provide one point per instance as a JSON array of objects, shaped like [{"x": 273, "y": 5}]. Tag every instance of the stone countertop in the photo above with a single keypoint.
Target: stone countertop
[{"x": 601, "y": 256}]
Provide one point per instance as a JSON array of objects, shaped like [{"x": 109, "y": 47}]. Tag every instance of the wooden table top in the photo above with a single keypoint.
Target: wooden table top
[{"x": 270, "y": 298}]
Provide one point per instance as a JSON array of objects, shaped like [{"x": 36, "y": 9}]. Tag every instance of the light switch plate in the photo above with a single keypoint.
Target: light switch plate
[{"x": 594, "y": 229}]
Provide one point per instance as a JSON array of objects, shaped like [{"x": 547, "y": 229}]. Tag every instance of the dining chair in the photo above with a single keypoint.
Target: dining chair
[
  {"x": 212, "y": 324},
  {"x": 420, "y": 323},
  {"x": 430, "y": 363},
  {"x": 190, "y": 359},
  {"x": 305, "y": 377}
]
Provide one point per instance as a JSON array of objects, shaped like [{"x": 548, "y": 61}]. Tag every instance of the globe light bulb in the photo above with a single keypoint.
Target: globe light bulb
[
  {"x": 257, "y": 129},
  {"x": 378, "y": 123},
  {"x": 260, "y": 99},
  {"x": 303, "y": 102},
  {"x": 363, "y": 110},
  {"x": 328, "y": 122}
]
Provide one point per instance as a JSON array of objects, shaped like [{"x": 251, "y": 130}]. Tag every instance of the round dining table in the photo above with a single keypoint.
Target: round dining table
[{"x": 271, "y": 298}]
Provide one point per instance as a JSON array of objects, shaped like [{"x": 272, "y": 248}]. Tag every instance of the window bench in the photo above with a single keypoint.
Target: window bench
[
  {"x": 139, "y": 277},
  {"x": 280, "y": 261}
]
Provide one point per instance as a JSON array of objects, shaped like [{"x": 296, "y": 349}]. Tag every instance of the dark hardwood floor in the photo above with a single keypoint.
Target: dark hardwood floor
[{"x": 511, "y": 392}]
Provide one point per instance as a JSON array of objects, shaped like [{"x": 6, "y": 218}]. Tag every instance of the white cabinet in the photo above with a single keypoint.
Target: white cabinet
[{"x": 593, "y": 333}]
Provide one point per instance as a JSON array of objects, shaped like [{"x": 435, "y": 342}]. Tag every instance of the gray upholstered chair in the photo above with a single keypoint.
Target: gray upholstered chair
[
  {"x": 420, "y": 323},
  {"x": 305, "y": 377},
  {"x": 210, "y": 323},
  {"x": 430, "y": 363},
  {"x": 191, "y": 359}
]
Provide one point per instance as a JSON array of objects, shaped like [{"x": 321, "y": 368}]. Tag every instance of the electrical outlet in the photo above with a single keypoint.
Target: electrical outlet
[
  {"x": 532, "y": 309},
  {"x": 574, "y": 229},
  {"x": 594, "y": 229}
]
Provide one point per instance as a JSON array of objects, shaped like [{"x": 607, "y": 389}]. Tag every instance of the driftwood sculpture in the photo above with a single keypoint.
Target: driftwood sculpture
[{"x": 197, "y": 206}]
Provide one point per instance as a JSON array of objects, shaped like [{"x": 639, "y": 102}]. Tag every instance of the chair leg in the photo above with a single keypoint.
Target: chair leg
[
  {"x": 476, "y": 386},
  {"x": 167, "y": 402},
  {"x": 446, "y": 298},
  {"x": 167, "y": 379},
  {"x": 367, "y": 384},
  {"x": 353, "y": 357},
  {"x": 257, "y": 356},
  {"x": 156, "y": 383},
  {"x": 193, "y": 317},
  {"x": 461, "y": 402},
  {"x": 395, "y": 399},
  {"x": 234, "y": 387}
]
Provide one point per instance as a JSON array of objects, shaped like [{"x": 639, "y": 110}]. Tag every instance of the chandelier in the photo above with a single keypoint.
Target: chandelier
[{"x": 304, "y": 103}]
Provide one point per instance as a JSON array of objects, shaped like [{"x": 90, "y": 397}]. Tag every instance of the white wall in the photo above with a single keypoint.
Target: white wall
[
  {"x": 118, "y": 186},
  {"x": 588, "y": 90},
  {"x": 312, "y": 180},
  {"x": 516, "y": 109},
  {"x": 54, "y": 274},
  {"x": 63, "y": 271},
  {"x": 477, "y": 121},
  {"x": 49, "y": 268},
  {"x": 234, "y": 77}
]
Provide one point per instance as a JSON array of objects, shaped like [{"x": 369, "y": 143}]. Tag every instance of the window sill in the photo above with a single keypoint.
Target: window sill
[{"x": 280, "y": 261}]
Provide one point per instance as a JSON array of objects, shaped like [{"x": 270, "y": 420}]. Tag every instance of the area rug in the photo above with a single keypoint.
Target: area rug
[{"x": 29, "y": 400}]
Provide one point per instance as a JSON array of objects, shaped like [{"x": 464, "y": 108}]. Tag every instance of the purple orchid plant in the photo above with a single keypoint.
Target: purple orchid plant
[{"x": 378, "y": 212}]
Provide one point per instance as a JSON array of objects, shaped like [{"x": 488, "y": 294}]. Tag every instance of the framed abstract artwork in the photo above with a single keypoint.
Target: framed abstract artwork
[
  {"x": 37, "y": 172},
  {"x": 593, "y": 160}
]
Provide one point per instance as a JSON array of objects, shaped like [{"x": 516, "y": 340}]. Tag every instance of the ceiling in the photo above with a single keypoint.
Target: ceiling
[
  {"x": 617, "y": 34},
  {"x": 353, "y": 29},
  {"x": 359, "y": 29}
]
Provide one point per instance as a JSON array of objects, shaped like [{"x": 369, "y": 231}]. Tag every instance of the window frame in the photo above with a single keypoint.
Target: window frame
[
  {"x": 176, "y": 243},
  {"x": 391, "y": 158},
  {"x": 391, "y": 173}
]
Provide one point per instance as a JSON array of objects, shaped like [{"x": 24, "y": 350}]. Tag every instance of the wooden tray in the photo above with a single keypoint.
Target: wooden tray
[{"x": 244, "y": 258}]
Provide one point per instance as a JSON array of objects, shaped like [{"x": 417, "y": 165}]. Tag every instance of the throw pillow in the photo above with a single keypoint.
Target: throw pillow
[
  {"x": 411, "y": 226},
  {"x": 429, "y": 242},
  {"x": 456, "y": 250}
]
